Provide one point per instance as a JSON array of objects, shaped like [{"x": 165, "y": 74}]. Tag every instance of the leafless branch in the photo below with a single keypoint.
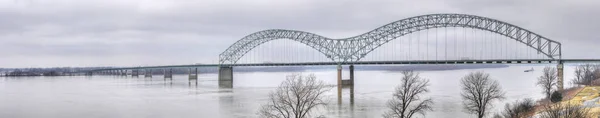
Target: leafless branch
[
  {"x": 478, "y": 92},
  {"x": 519, "y": 109},
  {"x": 586, "y": 74},
  {"x": 295, "y": 98},
  {"x": 407, "y": 98},
  {"x": 548, "y": 80}
]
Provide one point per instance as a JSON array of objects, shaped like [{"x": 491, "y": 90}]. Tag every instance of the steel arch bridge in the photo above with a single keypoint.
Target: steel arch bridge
[{"x": 353, "y": 49}]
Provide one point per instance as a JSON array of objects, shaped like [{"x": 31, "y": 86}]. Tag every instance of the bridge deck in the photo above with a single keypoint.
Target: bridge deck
[{"x": 516, "y": 61}]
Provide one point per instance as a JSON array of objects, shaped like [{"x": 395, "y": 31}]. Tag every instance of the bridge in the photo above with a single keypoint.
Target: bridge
[{"x": 425, "y": 39}]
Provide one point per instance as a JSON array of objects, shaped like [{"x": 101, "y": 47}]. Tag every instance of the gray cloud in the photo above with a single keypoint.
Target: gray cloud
[{"x": 140, "y": 32}]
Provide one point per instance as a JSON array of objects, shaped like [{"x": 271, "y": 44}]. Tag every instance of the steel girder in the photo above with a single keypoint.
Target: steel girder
[{"x": 354, "y": 48}]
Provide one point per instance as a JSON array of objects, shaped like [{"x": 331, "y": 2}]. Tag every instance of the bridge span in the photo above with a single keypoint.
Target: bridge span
[
  {"x": 515, "y": 61},
  {"x": 465, "y": 39},
  {"x": 226, "y": 71}
]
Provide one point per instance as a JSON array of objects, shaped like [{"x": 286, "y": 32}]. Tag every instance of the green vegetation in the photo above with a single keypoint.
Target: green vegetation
[{"x": 556, "y": 97}]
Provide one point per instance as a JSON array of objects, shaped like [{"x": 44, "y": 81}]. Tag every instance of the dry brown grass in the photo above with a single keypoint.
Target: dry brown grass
[{"x": 568, "y": 94}]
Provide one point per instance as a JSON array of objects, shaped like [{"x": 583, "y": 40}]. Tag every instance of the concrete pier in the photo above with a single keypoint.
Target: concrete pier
[
  {"x": 349, "y": 82},
  {"x": 339, "y": 84},
  {"x": 148, "y": 73},
  {"x": 135, "y": 73},
  {"x": 560, "y": 75},
  {"x": 226, "y": 77},
  {"x": 168, "y": 74},
  {"x": 193, "y": 75}
]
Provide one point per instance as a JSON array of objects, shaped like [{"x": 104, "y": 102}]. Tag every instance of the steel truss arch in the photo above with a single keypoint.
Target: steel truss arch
[{"x": 354, "y": 48}]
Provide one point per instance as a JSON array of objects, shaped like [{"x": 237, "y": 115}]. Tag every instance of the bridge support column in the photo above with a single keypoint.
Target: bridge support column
[
  {"x": 226, "y": 77},
  {"x": 123, "y": 72},
  {"x": 352, "y": 84},
  {"x": 349, "y": 82},
  {"x": 560, "y": 75},
  {"x": 193, "y": 75},
  {"x": 168, "y": 74},
  {"x": 339, "y": 84},
  {"x": 135, "y": 73},
  {"x": 148, "y": 73}
]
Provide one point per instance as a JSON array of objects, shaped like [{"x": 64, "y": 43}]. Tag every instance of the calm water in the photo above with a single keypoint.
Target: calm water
[{"x": 126, "y": 97}]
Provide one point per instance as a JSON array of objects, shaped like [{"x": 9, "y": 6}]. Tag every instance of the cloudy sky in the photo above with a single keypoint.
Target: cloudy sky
[{"x": 48, "y": 33}]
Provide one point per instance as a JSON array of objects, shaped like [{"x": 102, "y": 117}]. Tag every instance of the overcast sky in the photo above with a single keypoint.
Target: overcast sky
[{"x": 49, "y": 33}]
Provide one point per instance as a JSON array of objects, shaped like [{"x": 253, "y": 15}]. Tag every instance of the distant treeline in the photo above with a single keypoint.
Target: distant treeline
[{"x": 56, "y": 71}]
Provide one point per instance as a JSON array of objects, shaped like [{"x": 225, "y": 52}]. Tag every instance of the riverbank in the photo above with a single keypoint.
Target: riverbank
[{"x": 585, "y": 97}]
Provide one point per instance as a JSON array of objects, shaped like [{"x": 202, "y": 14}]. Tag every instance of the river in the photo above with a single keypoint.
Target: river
[{"x": 127, "y": 97}]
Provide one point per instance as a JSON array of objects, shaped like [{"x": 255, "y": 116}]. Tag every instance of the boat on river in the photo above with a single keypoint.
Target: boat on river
[{"x": 530, "y": 70}]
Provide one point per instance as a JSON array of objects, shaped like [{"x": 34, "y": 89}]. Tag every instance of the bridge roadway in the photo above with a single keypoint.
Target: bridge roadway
[
  {"x": 513, "y": 61},
  {"x": 225, "y": 71}
]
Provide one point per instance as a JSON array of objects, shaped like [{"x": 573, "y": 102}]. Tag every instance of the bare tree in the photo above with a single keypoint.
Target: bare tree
[
  {"x": 519, "y": 109},
  {"x": 478, "y": 92},
  {"x": 585, "y": 74},
  {"x": 566, "y": 110},
  {"x": 407, "y": 98},
  {"x": 548, "y": 80},
  {"x": 295, "y": 98}
]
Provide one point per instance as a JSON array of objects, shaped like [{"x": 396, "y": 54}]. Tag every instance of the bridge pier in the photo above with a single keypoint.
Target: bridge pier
[
  {"x": 168, "y": 74},
  {"x": 560, "y": 75},
  {"x": 226, "y": 77},
  {"x": 123, "y": 72},
  {"x": 148, "y": 73},
  {"x": 193, "y": 76},
  {"x": 349, "y": 82},
  {"x": 339, "y": 84},
  {"x": 345, "y": 83},
  {"x": 135, "y": 73}
]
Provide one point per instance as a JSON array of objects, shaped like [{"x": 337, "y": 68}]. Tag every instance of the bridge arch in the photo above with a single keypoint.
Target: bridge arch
[{"x": 355, "y": 48}]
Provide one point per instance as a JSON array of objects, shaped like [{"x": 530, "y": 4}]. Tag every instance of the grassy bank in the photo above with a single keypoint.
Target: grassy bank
[{"x": 576, "y": 96}]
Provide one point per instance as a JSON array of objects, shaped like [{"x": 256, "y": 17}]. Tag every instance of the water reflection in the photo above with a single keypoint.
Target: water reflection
[
  {"x": 349, "y": 89},
  {"x": 110, "y": 96}
]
